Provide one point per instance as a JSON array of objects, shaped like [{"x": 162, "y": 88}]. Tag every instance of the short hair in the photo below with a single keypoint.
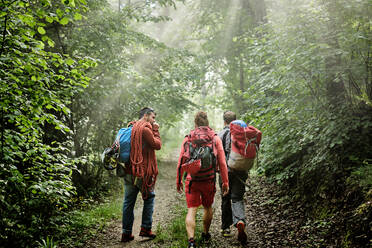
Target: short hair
[
  {"x": 201, "y": 119},
  {"x": 145, "y": 111},
  {"x": 229, "y": 116}
]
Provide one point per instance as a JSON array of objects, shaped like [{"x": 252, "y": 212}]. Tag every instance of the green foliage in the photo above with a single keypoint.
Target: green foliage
[
  {"x": 358, "y": 224},
  {"x": 36, "y": 88},
  {"x": 81, "y": 225},
  {"x": 174, "y": 231},
  {"x": 133, "y": 71},
  {"x": 47, "y": 243},
  {"x": 174, "y": 234},
  {"x": 301, "y": 74},
  {"x": 225, "y": 27},
  {"x": 302, "y": 84},
  {"x": 72, "y": 73},
  {"x": 300, "y": 116},
  {"x": 362, "y": 175}
]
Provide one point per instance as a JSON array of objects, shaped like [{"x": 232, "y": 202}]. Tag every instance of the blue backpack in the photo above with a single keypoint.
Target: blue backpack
[{"x": 123, "y": 141}]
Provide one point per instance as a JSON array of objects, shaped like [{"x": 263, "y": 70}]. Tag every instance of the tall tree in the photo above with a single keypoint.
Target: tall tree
[{"x": 227, "y": 25}]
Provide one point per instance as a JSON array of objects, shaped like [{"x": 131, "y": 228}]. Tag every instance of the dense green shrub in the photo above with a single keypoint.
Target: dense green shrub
[{"x": 36, "y": 88}]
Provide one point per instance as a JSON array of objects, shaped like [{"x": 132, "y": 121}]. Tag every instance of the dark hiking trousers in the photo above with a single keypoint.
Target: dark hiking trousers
[
  {"x": 226, "y": 212},
  {"x": 232, "y": 206}
]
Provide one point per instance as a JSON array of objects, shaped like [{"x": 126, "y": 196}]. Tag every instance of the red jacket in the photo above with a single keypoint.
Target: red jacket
[
  {"x": 152, "y": 142},
  {"x": 221, "y": 163}
]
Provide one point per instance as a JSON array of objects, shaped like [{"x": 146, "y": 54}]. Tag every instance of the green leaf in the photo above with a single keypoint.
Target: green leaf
[
  {"x": 49, "y": 19},
  {"x": 59, "y": 13},
  {"x": 51, "y": 43},
  {"x": 77, "y": 16},
  {"x": 41, "y": 30},
  {"x": 69, "y": 61},
  {"x": 64, "y": 21},
  {"x": 27, "y": 19}
]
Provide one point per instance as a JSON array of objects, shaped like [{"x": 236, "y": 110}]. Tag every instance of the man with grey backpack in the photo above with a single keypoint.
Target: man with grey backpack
[{"x": 232, "y": 204}]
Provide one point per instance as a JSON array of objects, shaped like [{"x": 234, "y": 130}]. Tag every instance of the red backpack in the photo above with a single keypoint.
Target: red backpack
[
  {"x": 245, "y": 142},
  {"x": 199, "y": 158}
]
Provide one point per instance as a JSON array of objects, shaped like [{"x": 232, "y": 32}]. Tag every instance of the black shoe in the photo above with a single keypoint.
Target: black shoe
[
  {"x": 205, "y": 237},
  {"x": 126, "y": 237},
  {"x": 191, "y": 243}
]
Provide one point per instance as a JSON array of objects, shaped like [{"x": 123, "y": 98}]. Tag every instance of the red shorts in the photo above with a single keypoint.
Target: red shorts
[{"x": 200, "y": 193}]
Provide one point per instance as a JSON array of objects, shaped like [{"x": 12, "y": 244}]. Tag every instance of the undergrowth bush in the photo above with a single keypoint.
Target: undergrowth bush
[
  {"x": 74, "y": 228},
  {"x": 310, "y": 94}
]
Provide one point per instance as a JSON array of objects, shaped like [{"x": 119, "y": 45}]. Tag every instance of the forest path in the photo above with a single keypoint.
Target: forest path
[
  {"x": 165, "y": 195},
  {"x": 272, "y": 221}
]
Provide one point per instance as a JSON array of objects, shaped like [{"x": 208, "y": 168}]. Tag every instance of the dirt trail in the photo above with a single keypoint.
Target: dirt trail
[
  {"x": 270, "y": 221},
  {"x": 165, "y": 194}
]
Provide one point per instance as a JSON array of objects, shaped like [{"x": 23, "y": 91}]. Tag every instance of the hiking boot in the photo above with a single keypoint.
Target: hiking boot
[
  {"x": 242, "y": 236},
  {"x": 126, "y": 237},
  {"x": 226, "y": 232},
  {"x": 205, "y": 237},
  {"x": 191, "y": 243},
  {"x": 146, "y": 233}
]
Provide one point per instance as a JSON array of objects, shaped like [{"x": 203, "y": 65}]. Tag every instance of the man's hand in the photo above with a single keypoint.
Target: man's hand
[
  {"x": 225, "y": 189},
  {"x": 155, "y": 126}
]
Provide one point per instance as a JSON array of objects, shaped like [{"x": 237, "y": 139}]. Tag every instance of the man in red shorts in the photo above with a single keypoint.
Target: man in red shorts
[{"x": 201, "y": 156}]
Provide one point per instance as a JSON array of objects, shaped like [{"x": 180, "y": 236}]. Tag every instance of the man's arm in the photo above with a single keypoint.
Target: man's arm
[
  {"x": 221, "y": 161},
  {"x": 152, "y": 138},
  {"x": 179, "y": 168}
]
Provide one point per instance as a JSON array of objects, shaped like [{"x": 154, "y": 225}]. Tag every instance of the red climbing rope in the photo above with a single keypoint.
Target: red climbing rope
[{"x": 143, "y": 168}]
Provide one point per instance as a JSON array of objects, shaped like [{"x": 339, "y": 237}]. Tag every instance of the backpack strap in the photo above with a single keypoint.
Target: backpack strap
[
  {"x": 249, "y": 141},
  {"x": 252, "y": 140},
  {"x": 214, "y": 159},
  {"x": 214, "y": 149},
  {"x": 224, "y": 137},
  {"x": 186, "y": 147}
]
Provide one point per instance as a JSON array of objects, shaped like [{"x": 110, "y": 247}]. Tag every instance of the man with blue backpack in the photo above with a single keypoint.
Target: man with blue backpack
[{"x": 141, "y": 170}]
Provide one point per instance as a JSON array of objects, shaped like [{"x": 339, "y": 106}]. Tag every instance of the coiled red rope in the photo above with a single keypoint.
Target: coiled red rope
[{"x": 148, "y": 172}]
